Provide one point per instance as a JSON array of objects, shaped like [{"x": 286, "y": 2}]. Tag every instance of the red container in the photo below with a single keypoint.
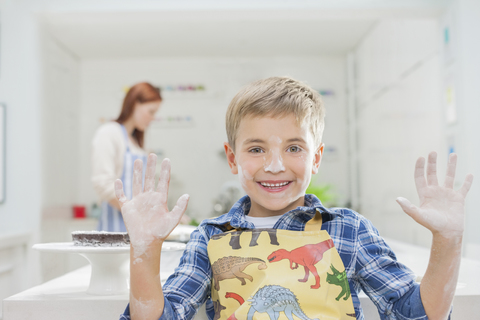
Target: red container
[{"x": 78, "y": 212}]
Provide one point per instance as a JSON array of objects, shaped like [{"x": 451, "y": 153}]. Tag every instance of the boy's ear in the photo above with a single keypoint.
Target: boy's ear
[
  {"x": 317, "y": 158},
  {"x": 231, "y": 158}
]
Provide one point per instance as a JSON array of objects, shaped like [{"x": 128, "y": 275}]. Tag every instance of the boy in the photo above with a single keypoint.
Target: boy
[{"x": 274, "y": 129}]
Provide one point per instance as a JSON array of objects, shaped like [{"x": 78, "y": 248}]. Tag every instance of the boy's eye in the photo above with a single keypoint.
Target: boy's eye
[
  {"x": 256, "y": 150},
  {"x": 294, "y": 149}
]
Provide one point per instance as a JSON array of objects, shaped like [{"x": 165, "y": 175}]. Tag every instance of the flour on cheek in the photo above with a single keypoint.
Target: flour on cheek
[{"x": 244, "y": 176}]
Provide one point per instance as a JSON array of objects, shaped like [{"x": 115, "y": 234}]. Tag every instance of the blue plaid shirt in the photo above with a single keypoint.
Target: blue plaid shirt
[{"x": 369, "y": 262}]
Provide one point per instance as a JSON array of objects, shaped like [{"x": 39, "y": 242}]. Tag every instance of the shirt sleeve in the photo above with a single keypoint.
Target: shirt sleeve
[
  {"x": 388, "y": 283},
  {"x": 107, "y": 157},
  {"x": 188, "y": 288},
  {"x": 126, "y": 314}
]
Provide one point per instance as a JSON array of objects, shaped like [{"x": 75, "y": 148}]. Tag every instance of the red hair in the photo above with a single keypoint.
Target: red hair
[{"x": 140, "y": 93}]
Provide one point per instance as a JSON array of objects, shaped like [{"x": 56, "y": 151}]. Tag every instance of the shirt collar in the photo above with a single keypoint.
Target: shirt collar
[{"x": 236, "y": 216}]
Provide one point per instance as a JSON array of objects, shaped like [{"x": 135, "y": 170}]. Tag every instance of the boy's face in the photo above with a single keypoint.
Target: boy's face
[{"x": 274, "y": 158}]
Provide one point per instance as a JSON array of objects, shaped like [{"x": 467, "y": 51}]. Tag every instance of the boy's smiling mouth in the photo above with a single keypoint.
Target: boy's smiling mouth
[{"x": 274, "y": 186}]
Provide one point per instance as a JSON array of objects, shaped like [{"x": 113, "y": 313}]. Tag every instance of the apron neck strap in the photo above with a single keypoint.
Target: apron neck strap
[
  {"x": 315, "y": 223},
  {"x": 227, "y": 228}
]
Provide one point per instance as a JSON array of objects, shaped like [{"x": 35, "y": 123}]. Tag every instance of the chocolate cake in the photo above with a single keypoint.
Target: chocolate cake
[{"x": 100, "y": 239}]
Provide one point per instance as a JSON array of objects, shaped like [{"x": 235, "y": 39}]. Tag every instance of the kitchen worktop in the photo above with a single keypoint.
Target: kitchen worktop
[
  {"x": 467, "y": 294},
  {"x": 65, "y": 296}
]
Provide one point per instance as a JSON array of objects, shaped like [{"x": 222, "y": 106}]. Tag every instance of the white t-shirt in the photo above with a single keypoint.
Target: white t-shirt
[
  {"x": 108, "y": 150},
  {"x": 263, "y": 222}
]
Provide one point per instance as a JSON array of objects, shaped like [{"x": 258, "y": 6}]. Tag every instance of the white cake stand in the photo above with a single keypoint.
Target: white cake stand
[{"x": 109, "y": 264}]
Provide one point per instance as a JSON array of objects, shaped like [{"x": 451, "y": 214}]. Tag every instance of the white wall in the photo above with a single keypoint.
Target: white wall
[
  {"x": 20, "y": 91},
  {"x": 198, "y": 166},
  {"x": 461, "y": 73},
  {"x": 410, "y": 80},
  {"x": 399, "y": 118},
  {"x": 60, "y": 128}
]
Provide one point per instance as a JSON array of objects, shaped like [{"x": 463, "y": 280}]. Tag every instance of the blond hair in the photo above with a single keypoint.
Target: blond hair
[{"x": 277, "y": 97}]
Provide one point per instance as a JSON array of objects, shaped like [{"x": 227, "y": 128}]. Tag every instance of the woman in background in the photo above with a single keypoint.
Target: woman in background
[{"x": 116, "y": 145}]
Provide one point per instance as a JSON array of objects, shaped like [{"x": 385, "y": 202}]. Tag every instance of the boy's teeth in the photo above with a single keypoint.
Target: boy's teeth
[{"x": 274, "y": 184}]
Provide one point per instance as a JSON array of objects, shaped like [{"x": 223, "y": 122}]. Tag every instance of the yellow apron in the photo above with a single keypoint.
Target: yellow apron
[{"x": 277, "y": 274}]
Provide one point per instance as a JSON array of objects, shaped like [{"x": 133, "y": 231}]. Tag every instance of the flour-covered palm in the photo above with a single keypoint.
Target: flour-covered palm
[
  {"x": 441, "y": 208},
  {"x": 146, "y": 216}
]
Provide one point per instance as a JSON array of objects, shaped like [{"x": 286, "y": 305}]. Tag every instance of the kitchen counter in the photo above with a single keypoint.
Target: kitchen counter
[
  {"x": 467, "y": 294},
  {"x": 65, "y": 296}
]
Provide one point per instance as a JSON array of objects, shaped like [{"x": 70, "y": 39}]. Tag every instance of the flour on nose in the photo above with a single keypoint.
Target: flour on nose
[{"x": 274, "y": 163}]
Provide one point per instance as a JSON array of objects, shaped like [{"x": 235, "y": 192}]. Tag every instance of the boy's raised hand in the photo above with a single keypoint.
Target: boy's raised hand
[
  {"x": 146, "y": 216},
  {"x": 441, "y": 208}
]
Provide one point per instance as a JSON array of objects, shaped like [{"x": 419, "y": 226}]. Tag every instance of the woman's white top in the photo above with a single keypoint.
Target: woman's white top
[{"x": 108, "y": 149}]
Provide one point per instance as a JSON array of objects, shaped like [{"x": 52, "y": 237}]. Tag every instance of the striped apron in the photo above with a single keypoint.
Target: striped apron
[{"x": 111, "y": 218}]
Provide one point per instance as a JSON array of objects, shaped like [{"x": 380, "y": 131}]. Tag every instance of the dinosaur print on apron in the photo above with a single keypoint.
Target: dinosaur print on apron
[{"x": 274, "y": 274}]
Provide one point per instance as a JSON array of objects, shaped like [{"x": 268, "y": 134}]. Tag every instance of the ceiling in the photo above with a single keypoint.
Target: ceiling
[{"x": 265, "y": 32}]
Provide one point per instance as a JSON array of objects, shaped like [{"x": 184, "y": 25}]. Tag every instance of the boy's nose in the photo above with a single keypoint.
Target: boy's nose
[{"x": 274, "y": 163}]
